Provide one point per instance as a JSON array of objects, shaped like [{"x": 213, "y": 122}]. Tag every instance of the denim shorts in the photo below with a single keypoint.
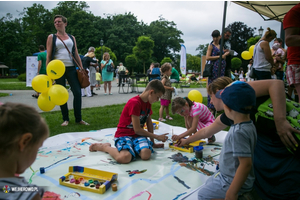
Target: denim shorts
[{"x": 133, "y": 144}]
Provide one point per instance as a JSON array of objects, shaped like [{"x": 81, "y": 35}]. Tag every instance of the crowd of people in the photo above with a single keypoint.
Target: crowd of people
[{"x": 260, "y": 155}]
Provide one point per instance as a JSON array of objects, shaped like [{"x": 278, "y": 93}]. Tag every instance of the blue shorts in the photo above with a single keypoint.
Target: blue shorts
[{"x": 133, "y": 144}]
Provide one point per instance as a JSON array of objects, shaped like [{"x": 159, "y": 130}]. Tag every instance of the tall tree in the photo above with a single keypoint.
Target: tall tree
[
  {"x": 68, "y": 8},
  {"x": 37, "y": 23},
  {"x": 239, "y": 36},
  {"x": 193, "y": 62},
  {"x": 122, "y": 34},
  {"x": 202, "y": 48},
  {"x": 166, "y": 36},
  {"x": 13, "y": 49},
  {"x": 143, "y": 49},
  {"x": 131, "y": 62},
  {"x": 81, "y": 25}
]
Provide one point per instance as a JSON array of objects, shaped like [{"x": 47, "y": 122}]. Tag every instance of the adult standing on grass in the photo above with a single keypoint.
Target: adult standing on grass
[
  {"x": 92, "y": 67},
  {"x": 42, "y": 58},
  {"x": 227, "y": 47},
  {"x": 57, "y": 50},
  {"x": 213, "y": 54},
  {"x": 262, "y": 58},
  {"x": 107, "y": 77}
]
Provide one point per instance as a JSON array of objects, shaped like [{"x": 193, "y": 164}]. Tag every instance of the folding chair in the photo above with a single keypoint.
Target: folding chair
[{"x": 123, "y": 84}]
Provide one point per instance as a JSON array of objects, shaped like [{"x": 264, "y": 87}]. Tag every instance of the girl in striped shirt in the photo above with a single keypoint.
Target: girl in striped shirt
[{"x": 196, "y": 116}]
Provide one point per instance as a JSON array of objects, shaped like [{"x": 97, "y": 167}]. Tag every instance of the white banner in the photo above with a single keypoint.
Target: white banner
[
  {"x": 183, "y": 59},
  {"x": 31, "y": 69}
]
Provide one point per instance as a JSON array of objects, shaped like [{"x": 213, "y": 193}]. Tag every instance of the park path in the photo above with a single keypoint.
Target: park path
[{"x": 24, "y": 96}]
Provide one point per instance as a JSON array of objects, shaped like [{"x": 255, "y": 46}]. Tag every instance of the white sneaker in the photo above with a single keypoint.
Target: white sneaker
[{"x": 175, "y": 92}]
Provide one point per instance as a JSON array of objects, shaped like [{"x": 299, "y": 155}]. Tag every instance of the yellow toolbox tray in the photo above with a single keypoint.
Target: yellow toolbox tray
[
  {"x": 83, "y": 176},
  {"x": 188, "y": 148}
]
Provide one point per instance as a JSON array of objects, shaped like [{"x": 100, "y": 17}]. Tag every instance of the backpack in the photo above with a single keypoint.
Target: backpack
[
  {"x": 122, "y": 68},
  {"x": 265, "y": 111}
]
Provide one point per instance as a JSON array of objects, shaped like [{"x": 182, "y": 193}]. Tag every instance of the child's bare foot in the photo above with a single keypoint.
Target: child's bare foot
[{"x": 98, "y": 146}]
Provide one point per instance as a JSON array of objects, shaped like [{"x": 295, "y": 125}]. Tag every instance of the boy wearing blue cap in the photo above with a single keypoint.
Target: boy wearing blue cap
[{"x": 236, "y": 174}]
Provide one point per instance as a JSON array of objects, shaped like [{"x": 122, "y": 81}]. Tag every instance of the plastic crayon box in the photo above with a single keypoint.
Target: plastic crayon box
[
  {"x": 88, "y": 179},
  {"x": 188, "y": 148}
]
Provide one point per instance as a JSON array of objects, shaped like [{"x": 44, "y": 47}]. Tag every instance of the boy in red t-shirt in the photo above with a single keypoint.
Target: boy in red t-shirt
[{"x": 131, "y": 138}]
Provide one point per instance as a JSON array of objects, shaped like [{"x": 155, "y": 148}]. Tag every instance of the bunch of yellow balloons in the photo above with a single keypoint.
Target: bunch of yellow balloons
[
  {"x": 247, "y": 55},
  {"x": 195, "y": 95},
  {"x": 51, "y": 95}
]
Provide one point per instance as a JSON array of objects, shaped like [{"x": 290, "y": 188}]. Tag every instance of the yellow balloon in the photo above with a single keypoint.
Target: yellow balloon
[
  {"x": 195, "y": 95},
  {"x": 246, "y": 55},
  {"x": 55, "y": 69},
  {"x": 41, "y": 83},
  {"x": 251, "y": 50},
  {"x": 44, "y": 103},
  {"x": 58, "y": 95}
]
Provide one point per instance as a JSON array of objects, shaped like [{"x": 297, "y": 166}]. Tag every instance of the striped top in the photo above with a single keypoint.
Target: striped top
[
  {"x": 7, "y": 184},
  {"x": 206, "y": 118}
]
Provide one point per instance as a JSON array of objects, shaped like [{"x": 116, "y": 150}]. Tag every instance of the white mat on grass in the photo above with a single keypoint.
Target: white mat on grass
[{"x": 164, "y": 179}]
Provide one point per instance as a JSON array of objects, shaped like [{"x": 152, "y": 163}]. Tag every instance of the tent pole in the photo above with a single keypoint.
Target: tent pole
[
  {"x": 282, "y": 34},
  {"x": 222, "y": 39}
]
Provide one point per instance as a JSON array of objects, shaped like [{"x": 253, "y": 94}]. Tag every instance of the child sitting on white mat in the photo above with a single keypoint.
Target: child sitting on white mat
[{"x": 131, "y": 140}]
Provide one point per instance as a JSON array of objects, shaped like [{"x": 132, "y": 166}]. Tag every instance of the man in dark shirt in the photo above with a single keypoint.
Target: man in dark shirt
[{"x": 227, "y": 47}]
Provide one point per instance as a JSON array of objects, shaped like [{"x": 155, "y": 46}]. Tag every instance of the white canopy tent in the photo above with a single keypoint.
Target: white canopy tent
[{"x": 268, "y": 10}]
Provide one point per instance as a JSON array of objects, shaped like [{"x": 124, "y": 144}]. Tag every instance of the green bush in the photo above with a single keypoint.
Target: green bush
[
  {"x": 22, "y": 77},
  {"x": 236, "y": 63}
]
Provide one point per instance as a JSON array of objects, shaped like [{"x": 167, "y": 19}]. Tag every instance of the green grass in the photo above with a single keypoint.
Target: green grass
[
  {"x": 3, "y": 94},
  {"x": 100, "y": 118},
  {"x": 13, "y": 84}
]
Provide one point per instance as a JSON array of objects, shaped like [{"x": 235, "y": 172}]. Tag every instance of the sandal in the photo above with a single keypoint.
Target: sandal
[
  {"x": 161, "y": 119},
  {"x": 65, "y": 123},
  {"x": 83, "y": 123},
  {"x": 169, "y": 118},
  {"x": 35, "y": 95}
]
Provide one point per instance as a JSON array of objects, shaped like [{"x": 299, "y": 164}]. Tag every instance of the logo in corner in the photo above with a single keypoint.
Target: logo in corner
[{"x": 6, "y": 189}]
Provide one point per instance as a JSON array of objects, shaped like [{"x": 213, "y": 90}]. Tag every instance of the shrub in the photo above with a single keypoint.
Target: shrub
[
  {"x": 236, "y": 63},
  {"x": 22, "y": 77}
]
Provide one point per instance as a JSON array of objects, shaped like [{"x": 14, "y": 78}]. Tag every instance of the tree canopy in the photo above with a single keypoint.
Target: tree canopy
[
  {"x": 239, "y": 36},
  {"x": 20, "y": 37},
  {"x": 202, "y": 48},
  {"x": 167, "y": 38},
  {"x": 143, "y": 49}
]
